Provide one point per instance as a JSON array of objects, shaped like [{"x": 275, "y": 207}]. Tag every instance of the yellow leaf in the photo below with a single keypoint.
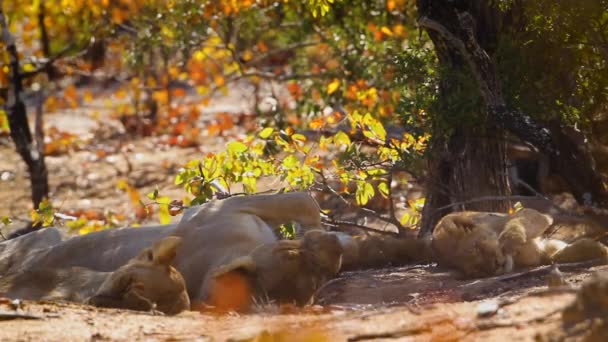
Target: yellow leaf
[
  {"x": 405, "y": 219},
  {"x": 299, "y": 137},
  {"x": 333, "y": 86},
  {"x": 387, "y": 31},
  {"x": 266, "y": 132},
  {"x": 247, "y": 55},
  {"x": 163, "y": 210},
  {"x": 87, "y": 96},
  {"x": 29, "y": 67}
]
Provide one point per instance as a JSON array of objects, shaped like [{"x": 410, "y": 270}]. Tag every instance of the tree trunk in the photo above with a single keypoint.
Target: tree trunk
[
  {"x": 468, "y": 161},
  {"x": 465, "y": 34},
  {"x": 468, "y": 167},
  {"x": 17, "y": 118},
  {"x": 45, "y": 43}
]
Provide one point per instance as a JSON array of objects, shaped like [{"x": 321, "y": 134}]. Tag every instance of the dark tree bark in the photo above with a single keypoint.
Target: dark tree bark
[
  {"x": 45, "y": 43},
  {"x": 468, "y": 161},
  {"x": 464, "y": 34},
  {"x": 17, "y": 118}
]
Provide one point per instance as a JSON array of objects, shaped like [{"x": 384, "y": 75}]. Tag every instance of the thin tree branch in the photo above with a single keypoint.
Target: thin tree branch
[
  {"x": 47, "y": 63},
  {"x": 373, "y": 213}
]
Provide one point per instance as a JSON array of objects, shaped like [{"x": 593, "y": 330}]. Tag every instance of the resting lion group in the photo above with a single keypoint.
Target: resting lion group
[{"x": 232, "y": 243}]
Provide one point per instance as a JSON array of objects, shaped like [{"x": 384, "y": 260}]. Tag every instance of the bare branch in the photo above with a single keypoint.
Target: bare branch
[{"x": 47, "y": 63}]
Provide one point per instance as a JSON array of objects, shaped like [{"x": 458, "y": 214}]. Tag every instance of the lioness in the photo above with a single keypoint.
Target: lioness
[
  {"x": 148, "y": 281},
  {"x": 214, "y": 236},
  {"x": 220, "y": 235},
  {"x": 15, "y": 250},
  {"x": 105, "y": 250},
  {"x": 481, "y": 243}
]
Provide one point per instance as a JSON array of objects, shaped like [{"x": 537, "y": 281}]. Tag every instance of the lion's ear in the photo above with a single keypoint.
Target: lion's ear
[
  {"x": 163, "y": 252},
  {"x": 244, "y": 263}
]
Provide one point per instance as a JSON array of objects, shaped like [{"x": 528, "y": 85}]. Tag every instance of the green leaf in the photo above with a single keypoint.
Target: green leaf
[
  {"x": 179, "y": 179},
  {"x": 364, "y": 193},
  {"x": 5, "y": 220},
  {"x": 378, "y": 130},
  {"x": 288, "y": 230},
  {"x": 383, "y": 189},
  {"x": 152, "y": 195},
  {"x": 266, "y": 132},
  {"x": 290, "y": 162},
  {"x": 341, "y": 138},
  {"x": 236, "y": 147}
]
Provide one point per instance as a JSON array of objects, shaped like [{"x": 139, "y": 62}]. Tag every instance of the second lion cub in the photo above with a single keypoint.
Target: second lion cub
[{"x": 483, "y": 244}]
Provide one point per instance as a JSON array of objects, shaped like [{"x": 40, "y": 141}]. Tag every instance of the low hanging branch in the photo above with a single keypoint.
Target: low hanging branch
[
  {"x": 573, "y": 164},
  {"x": 31, "y": 153}
]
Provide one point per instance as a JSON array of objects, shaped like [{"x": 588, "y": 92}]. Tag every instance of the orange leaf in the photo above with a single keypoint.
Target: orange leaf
[
  {"x": 219, "y": 80},
  {"x": 121, "y": 94},
  {"x": 178, "y": 92},
  {"x": 70, "y": 93},
  {"x": 295, "y": 90},
  {"x": 87, "y": 96},
  {"x": 317, "y": 123}
]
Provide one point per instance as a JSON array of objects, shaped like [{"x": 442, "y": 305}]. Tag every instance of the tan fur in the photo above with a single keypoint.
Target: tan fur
[
  {"x": 369, "y": 251},
  {"x": 146, "y": 282},
  {"x": 15, "y": 250},
  {"x": 288, "y": 270},
  {"x": 213, "y": 235},
  {"x": 219, "y": 232},
  {"x": 482, "y": 244},
  {"x": 105, "y": 250},
  {"x": 468, "y": 241}
]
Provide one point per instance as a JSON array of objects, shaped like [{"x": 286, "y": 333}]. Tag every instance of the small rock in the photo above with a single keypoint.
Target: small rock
[{"x": 487, "y": 308}]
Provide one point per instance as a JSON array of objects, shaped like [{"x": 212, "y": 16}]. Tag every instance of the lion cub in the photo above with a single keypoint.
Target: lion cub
[
  {"x": 146, "y": 282},
  {"x": 482, "y": 244}
]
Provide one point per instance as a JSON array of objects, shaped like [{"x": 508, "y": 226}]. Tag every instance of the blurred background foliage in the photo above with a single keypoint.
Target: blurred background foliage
[{"x": 362, "y": 81}]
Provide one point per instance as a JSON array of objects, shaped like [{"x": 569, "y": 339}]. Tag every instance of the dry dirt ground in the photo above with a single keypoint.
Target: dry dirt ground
[
  {"x": 415, "y": 303},
  {"x": 418, "y": 303}
]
